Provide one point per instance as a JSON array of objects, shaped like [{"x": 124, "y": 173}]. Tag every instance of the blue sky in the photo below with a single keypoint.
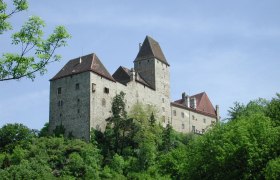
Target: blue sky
[{"x": 229, "y": 49}]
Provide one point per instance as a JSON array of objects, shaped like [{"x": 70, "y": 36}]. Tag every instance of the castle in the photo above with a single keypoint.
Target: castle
[{"x": 81, "y": 94}]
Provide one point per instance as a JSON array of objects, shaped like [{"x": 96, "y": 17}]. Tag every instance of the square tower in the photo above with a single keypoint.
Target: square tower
[{"x": 153, "y": 67}]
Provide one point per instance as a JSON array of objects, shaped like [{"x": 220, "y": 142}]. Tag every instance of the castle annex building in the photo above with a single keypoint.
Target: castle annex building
[{"x": 81, "y": 94}]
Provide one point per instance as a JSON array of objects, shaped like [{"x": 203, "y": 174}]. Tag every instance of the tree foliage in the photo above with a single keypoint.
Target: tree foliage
[
  {"x": 246, "y": 147},
  {"x": 35, "y": 52}
]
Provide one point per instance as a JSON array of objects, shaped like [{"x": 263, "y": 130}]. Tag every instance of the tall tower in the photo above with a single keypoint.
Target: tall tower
[{"x": 153, "y": 67}]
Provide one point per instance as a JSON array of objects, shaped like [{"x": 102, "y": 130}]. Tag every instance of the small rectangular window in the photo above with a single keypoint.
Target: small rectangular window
[
  {"x": 163, "y": 109},
  {"x": 60, "y": 103},
  {"x": 204, "y": 120},
  {"x": 174, "y": 112},
  {"x": 78, "y": 111},
  {"x": 193, "y": 117},
  {"x": 59, "y": 90},
  {"x": 182, "y": 114},
  {"x": 193, "y": 128},
  {"x": 77, "y": 86},
  {"x": 163, "y": 119},
  {"x": 183, "y": 126},
  {"x": 93, "y": 87},
  {"x": 163, "y": 100},
  {"x": 106, "y": 90}
]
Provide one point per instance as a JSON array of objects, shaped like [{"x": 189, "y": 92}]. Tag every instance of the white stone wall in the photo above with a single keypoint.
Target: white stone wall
[
  {"x": 89, "y": 106},
  {"x": 134, "y": 92},
  {"x": 184, "y": 120}
]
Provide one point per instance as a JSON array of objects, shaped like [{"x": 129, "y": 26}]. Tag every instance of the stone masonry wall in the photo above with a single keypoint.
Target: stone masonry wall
[
  {"x": 71, "y": 107},
  {"x": 186, "y": 121}
]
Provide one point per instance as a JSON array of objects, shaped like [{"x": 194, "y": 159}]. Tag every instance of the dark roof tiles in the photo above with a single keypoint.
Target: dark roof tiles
[
  {"x": 150, "y": 49},
  {"x": 82, "y": 64}
]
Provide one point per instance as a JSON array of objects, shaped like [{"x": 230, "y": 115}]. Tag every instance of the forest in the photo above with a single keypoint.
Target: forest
[{"x": 135, "y": 146}]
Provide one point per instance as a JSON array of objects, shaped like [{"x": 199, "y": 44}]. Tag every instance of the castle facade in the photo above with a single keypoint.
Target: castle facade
[{"x": 81, "y": 94}]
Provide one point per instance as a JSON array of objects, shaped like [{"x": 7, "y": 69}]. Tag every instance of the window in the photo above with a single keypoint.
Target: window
[
  {"x": 193, "y": 117},
  {"x": 182, "y": 114},
  {"x": 163, "y": 119},
  {"x": 59, "y": 90},
  {"x": 93, "y": 87},
  {"x": 60, "y": 103},
  {"x": 163, "y": 100},
  {"x": 183, "y": 126},
  {"x": 106, "y": 90},
  {"x": 78, "y": 101},
  {"x": 204, "y": 120},
  {"x": 163, "y": 109},
  {"x": 60, "y": 115},
  {"x": 77, "y": 86},
  {"x": 193, "y": 128},
  {"x": 103, "y": 102},
  {"x": 174, "y": 112},
  {"x": 78, "y": 111}
]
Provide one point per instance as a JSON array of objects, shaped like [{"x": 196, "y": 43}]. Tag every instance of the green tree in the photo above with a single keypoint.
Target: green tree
[
  {"x": 168, "y": 138},
  {"x": 44, "y": 131},
  {"x": 239, "y": 149},
  {"x": 273, "y": 110},
  {"x": 272, "y": 170},
  {"x": 35, "y": 52},
  {"x": 12, "y": 135},
  {"x": 59, "y": 131},
  {"x": 50, "y": 158}
]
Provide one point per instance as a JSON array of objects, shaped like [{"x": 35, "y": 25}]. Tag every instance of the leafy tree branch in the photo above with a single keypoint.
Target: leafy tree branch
[{"x": 35, "y": 51}]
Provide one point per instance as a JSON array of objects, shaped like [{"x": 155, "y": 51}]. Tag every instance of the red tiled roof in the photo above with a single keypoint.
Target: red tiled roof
[
  {"x": 203, "y": 104},
  {"x": 151, "y": 49},
  {"x": 82, "y": 64}
]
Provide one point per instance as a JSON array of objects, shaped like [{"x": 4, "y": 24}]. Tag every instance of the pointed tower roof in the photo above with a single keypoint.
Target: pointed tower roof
[
  {"x": 151, "y": 49},
  {"x": 82, "y": 64}
]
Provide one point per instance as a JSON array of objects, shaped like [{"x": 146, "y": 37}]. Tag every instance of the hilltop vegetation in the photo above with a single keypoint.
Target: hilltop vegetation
[{"x": 135, "y": 146}]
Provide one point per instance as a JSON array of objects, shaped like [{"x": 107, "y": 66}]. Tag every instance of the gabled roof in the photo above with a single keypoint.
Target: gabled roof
[
  {"x": 122, "y": 75},
  {"x": 203, "y": 104},
  {"x": 150, "y": 49},
  {"x": 82, "y": 64}
]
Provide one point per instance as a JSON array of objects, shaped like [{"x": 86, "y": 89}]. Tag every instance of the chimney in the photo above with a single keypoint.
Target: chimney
[
  {"x": 140, "y": 45},
  {"x": 193, "y": 102},
  {"x": 218, "y": 113},
  {"x": 183, "y": 95},
  {"x": 132, "y": 76},
  {"x": 186, "y": 99}
]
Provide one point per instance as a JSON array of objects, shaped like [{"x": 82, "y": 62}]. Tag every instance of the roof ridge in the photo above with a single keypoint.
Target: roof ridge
[{"x": 151, "y": 49}]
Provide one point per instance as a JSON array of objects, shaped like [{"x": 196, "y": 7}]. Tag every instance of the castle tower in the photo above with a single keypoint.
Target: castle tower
[{"x": 153, "y": 67}]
